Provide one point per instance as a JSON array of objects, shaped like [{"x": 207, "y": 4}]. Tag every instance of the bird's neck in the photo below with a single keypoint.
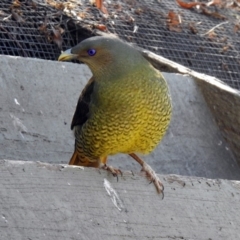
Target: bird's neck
[{"x": 116, "y": 69}]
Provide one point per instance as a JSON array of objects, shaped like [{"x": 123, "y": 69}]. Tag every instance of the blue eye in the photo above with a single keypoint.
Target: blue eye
[{"x": 91, "y": 52}]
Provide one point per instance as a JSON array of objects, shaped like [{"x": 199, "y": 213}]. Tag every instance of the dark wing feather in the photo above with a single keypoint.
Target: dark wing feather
[{"x": 81, "y": 113}]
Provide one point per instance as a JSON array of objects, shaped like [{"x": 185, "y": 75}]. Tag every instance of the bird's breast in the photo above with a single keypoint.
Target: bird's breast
[{"x": 129, "y": 115}]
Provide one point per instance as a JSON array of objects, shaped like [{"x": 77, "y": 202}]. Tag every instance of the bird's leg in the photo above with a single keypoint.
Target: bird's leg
[
  {"x": 80, "y": 160},
  {"x": 103, "y": 160},
  {"x": 111, "y": 169},
  {"x": 150, "y": 173}
]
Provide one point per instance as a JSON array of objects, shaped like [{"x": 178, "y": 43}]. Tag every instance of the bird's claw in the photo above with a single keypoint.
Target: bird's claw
[
  {"x": 153, "y": 178},
  {"x": 115, "y": 172}
]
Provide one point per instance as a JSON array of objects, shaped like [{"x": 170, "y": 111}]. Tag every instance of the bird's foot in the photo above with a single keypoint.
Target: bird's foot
[
  {"x": 153, "y": 178},
  {"x": 115, "y": 172}
]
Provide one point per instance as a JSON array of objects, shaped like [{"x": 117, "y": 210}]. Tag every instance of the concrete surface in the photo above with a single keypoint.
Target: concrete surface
[
  {"x": 38, "y": 99},
  {"x": 43, "y": 201},
  {"x": 225, "y": 106},
  {"x": 223, "y": 100}
]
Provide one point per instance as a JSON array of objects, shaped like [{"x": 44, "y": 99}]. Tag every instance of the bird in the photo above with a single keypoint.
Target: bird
[{"x": 124, "y": 108}]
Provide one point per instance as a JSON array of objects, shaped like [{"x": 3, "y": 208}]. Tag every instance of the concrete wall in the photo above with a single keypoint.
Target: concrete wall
[{"x": 38, "y": 99}]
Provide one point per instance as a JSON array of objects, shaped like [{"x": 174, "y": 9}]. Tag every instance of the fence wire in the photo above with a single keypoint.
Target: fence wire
[{"x": 206, "y": 40}]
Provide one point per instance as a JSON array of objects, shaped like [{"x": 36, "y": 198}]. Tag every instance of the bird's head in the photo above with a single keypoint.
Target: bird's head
[{"x": 103, "y": 54}]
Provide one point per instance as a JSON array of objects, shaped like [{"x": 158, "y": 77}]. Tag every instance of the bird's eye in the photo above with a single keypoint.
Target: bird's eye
[{"x": 91, "y": 52}]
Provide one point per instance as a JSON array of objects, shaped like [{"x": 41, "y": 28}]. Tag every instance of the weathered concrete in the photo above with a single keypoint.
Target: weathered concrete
[
  {"x": 223, "y": 100},
  {"x": 38, "y": 99},
  {"x": 43, "y": 201},
  {"x": 225, "y": 106}
]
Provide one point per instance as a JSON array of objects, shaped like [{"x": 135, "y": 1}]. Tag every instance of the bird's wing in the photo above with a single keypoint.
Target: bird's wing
[{"x": 81, "y": 113}]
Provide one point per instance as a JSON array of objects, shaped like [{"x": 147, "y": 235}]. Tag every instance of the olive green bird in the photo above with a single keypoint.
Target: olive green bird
[{"x": 124, "y": 108}]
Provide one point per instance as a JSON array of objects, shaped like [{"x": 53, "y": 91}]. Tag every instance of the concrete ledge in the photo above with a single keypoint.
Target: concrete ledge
[{"x": 44, "y": 201}]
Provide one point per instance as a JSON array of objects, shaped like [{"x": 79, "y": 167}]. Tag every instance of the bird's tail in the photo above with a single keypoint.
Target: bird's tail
[{"x": 80, "y": 160}]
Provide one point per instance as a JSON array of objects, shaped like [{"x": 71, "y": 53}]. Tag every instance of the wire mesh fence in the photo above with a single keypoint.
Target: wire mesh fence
[{"x": 205, "y": 40}]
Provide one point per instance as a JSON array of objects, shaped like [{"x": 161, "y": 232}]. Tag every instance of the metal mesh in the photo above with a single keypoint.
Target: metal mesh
[
  {"x": 22, "y": 35},
  {"x": 140, "y": 22}
]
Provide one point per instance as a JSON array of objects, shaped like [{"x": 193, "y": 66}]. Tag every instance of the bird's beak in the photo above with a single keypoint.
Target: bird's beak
[{"x": 67, "y": 55}]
